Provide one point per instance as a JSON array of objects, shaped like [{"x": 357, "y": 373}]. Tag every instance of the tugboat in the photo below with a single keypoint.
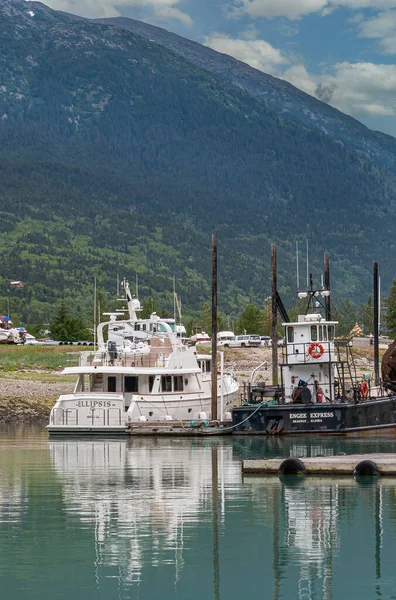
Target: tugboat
[{"x": 320, "y": 391}]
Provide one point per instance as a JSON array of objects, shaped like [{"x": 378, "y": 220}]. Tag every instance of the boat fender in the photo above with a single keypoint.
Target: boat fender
[
  {"x": 366, "y": 467},
  {"x": 315, "y": 350},
  {"x": 292, "y": 466}
]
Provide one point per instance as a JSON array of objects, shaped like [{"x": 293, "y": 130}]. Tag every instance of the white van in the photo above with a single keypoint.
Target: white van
[{"x": 224, "y": 338}]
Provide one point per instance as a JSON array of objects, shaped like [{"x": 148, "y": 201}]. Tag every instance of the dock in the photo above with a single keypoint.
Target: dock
[
  {"x": 323, "y": 465},
  {"x": 179, "y": 428}
]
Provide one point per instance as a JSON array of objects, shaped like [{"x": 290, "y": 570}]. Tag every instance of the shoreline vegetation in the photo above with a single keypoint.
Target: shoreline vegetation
[{"x": 31, "y": 379}]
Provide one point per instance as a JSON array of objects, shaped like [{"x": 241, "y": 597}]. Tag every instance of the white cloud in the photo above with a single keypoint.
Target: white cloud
[
  {"x": 361, "y": 88},
  {"x": 294, "y": 9},
  {"x": 383, "y": 28},
  {"x": 298, "y": 76},
  {"x": 110, "y": 8},
  {"x": 256, "y": 53}
]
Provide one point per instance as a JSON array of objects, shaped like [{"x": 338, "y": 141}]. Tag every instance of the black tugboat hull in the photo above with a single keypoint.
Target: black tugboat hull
[{"x": 292, "y": 419}]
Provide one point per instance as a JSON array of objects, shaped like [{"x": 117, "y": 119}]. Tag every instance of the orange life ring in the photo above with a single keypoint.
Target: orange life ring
[
  {"x": 364, "y": 389},
  {"x": 316, "y": 350}
]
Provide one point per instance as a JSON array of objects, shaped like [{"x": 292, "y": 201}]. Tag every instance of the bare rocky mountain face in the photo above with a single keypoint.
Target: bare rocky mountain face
[{"x": 279, "y": 95}]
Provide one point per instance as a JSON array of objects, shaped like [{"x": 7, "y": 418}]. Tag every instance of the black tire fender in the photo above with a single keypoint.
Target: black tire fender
[
  {"x": 292, "y": 466},
  {"x": 366, "y": 467}
]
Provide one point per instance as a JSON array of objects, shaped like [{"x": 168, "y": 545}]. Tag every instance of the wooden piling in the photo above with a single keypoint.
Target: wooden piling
[
  {"x": 274, "y": 318},
  {"x": 376, "y": 325},
  {"x": 214, "y": 327}
]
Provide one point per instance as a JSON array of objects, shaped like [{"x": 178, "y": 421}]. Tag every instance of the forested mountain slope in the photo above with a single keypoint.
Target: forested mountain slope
[{"x": 120, "y": 156}]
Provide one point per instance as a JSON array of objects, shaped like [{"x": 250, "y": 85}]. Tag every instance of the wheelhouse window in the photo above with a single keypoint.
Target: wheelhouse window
[
  {"x": 331, "y": 332},
  {"x": 314, "y": 333},
  {"x": 166, "y": 383},
  {"x": 112, "y": 384},
  {"x": 178, "y": 383},
  {"x": 137, "y": 326},
  {"x": 131, "y": 384},
  {"x": 290, "y": 335},
  {"x": 151, "y": 383}
]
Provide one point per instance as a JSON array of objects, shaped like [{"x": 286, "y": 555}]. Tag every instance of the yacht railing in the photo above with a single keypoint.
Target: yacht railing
[{"x": 105, "y": 359}]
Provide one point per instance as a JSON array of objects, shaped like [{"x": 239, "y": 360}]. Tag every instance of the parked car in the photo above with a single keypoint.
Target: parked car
[
  {"x": 265, "y": 340},
  {"x": 245, "y": 341}
]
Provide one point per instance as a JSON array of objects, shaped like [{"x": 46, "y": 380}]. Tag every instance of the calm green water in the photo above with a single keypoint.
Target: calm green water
[{"x": 174, "y": 519}]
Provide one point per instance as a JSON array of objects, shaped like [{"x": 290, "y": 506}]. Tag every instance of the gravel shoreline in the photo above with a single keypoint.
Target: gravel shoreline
[{"x": 27, "y": 401}]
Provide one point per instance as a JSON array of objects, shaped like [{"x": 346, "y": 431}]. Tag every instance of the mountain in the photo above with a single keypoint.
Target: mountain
[
  {"x": 120, "y": 154},
  {"x": 279, "y": 95}
]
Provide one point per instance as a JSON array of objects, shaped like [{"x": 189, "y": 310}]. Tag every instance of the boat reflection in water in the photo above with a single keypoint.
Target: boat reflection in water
[
  {"x": 143, "y": 496},
  {"x": 176, "y": 516},
  {"x": 316, "y": 522}
]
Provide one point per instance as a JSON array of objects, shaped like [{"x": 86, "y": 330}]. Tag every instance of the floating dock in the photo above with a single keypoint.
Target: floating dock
[
  {"x": 352, "y": 464},
  {"x": 179, "y": 428}
]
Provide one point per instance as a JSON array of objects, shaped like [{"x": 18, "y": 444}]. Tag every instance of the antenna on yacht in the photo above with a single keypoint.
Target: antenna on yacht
[
  {"x": 174, "y": 298},
  {"x": 327, "y": 285},
  {"x": 94, "y": 324},
  {"x": 307, "y": 268},
  {"x": 298, "y": 274}
]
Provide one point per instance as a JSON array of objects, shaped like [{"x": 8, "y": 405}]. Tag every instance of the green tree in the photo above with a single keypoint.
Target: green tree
[
  {"x": 148, "y": 308},
  {"x": 205, "y": 318},
  {"x": 252, "y": 320},
  {"x": 366, "y": 316},
  {"x": 65, "y": 328},
  {"x": 346, "y": 315},
  {"x": 390, "y": 306}
]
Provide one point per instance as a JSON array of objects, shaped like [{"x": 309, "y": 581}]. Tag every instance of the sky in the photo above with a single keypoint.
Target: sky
[{"x": 340, "y": 51}]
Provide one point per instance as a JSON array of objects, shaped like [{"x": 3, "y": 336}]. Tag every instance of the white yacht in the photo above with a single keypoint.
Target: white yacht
[{"x": 139, "y": 379}]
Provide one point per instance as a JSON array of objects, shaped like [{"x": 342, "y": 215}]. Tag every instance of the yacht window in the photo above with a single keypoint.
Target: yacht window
[
  {"x": 208, "y": 366},
  {"x": 151, "y": 383},
  {"x": 166, "y": 383},
  {"x": 137, "y": 326},
  {"x": 178, "y": 383},
  {"x": 131, "y": 384},
  {"x": 314, "y": 333},
  {"x": 112, "y": 384},
  {"x": 331, "y": 332},
  {"x": 290, "y": 335},
  {"x": 324, "y": 333},
  {"x": 144, "y": 327},
  {"x": 320, "y": 333}
]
